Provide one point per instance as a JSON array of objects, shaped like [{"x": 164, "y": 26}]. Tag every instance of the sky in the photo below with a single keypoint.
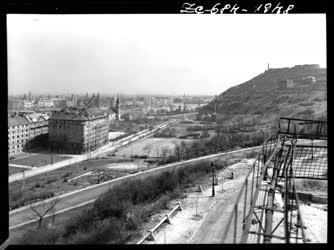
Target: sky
[{"x": 155, "y": 54}]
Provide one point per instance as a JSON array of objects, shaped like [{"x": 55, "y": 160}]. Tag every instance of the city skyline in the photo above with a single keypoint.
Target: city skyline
[{"x": 155, "y": 54}]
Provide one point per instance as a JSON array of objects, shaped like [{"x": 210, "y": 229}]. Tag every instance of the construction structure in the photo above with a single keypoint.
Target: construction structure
[{"x": 267, "y": 208}]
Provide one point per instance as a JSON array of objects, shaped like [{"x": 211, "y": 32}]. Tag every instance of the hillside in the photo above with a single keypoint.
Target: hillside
[{"x": 263, "y": 98}]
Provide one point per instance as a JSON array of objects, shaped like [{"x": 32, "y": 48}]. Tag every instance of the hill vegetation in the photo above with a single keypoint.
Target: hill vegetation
[{"x": 261, "y": 101}]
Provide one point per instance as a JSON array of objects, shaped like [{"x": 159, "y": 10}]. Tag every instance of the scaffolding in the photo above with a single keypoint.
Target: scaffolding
[{"x": 267, "y": 206}]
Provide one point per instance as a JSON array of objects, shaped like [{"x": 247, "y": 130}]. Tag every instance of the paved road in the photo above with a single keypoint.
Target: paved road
[
  {"x": 79, "y": 158},
  {"x": 75, "y": 198}
]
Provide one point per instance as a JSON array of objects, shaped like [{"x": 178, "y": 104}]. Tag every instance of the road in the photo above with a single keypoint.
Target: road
[
  {"x": 24, "y": 214},
  {"x": 213, "y": 226},
  {"x": 103, "y": 150}
]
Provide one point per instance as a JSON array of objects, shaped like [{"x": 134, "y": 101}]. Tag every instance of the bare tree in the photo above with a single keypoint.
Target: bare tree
[
  {"x": 100, "y": 175},
  {"x": 178, "y": 151},
  {"x": 43, "y": 208},
  {"x": 164, "y": 154}
]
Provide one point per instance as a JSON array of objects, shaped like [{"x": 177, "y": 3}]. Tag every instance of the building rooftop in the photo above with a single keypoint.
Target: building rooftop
[
  {"x": 22, "y": 118},
  {"x": 78, "y": 114},
  {"x": 14, "y": 120}
]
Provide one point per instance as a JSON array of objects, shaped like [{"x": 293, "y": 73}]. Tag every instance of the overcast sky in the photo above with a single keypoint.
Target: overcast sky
[{"x": 155, "y": 54}]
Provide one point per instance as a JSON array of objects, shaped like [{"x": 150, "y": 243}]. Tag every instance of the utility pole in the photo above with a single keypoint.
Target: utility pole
[{"x": 213, "y": 179}]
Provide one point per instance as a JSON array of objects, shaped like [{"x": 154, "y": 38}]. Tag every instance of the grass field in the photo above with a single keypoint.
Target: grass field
[{"x": 38, "y": 160}]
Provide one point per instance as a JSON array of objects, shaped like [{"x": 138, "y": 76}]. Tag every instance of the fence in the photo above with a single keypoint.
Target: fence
[
  {"x": 249, "y": 193},
  {"x": 310, "y": 162},
  {"x": 150, "y": 235},
  {"x": 308, "y": 129}
]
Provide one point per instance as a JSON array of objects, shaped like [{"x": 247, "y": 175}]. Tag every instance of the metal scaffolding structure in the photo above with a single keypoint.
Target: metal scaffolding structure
[{"x": 267, "y": 207}]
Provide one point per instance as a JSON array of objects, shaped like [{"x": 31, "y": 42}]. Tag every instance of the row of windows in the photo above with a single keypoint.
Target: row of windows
[
  {"x": 18, "y": 132},
  {"x": 19, "y": 126},
  {"x": 25, "y": 135},
  {"x": 17, "y": 146},
  {"x": 18, "y": 141},
  {"x": 18, "y": 136},
  {"x": 15, "y": 151}
]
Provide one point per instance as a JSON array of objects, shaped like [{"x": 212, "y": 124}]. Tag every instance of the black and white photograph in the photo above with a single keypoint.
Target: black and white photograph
[{"x": 167, "y": 129}]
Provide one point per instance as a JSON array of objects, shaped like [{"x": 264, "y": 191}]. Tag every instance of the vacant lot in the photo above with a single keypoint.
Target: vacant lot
[
  {"x": 151, "y": 147},
  {"x": 38, "y": 160}
]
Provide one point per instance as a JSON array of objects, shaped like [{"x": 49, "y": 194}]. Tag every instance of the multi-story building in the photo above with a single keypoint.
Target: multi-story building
[
  {"x": 78, "y": 130},
  {"x": 18, "y": 133},
  {"x": 24, "y": 127},
  {"x": 38, "y": 124}
]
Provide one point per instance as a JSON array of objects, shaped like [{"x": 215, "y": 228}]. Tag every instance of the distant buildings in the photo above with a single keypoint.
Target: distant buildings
[
  {"x": 78, "y": 130},
  {"x": 302, "y": 82},
  {"x": 45, "y": 103},
  {"x": 24, "y": 127},
  {"x": 309, "y": 80}
]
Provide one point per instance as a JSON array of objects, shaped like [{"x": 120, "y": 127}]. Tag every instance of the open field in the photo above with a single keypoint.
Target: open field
[
  {"x": 59, "y": 181},
  {"x": 38, "y": 160},
  {"x": 150, "y": 147}
]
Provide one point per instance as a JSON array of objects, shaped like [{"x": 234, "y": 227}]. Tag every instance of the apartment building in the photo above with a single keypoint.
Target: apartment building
[
  {"x": 78, "y": 131},
  {"x": 23, "y": 127}
]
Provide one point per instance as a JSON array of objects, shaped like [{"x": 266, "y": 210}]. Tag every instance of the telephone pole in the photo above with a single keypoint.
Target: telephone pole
[{"x": 213, "y": 179}]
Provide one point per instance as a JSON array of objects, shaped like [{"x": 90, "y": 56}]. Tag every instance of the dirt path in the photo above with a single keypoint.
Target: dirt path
[{"x": 198, "y": 223}]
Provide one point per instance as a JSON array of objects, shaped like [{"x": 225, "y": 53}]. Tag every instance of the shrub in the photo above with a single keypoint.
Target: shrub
[
  {"x": 306, "y": 112},
  {"x": 318, "y": 99},
  {"x": 101, "y": 232},
  {"x": 38, "y": 236},
  {"x": 66, "y": 175},
  {"x": 28, "y": 196},
  {"x": 50, "y": 180},
  {"x": 306, "y": 103}
]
